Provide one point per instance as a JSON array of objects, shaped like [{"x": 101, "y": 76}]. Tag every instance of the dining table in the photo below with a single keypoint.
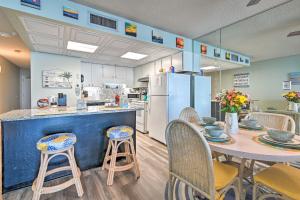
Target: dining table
[{"x": 246, "y": 146}]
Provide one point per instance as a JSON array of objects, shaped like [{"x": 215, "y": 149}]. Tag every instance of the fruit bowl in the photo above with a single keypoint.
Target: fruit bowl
[{"x": 280, "y": 136}]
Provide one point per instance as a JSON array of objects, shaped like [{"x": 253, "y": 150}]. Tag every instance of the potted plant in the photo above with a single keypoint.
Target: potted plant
[
  {"x": 232, "y": 102},
  {"x": 293, "y": 98}
]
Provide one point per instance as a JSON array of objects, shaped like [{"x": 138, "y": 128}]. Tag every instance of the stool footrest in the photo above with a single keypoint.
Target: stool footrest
[{"x": 56, "y": 188}]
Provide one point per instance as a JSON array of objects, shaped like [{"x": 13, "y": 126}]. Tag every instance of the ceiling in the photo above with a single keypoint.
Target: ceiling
[
  {"x": 44, "y": 35},
  {"x": 191, "y": 18},
  {"x": 8, "y": 45},
  {"x": 263, "y": 36}
]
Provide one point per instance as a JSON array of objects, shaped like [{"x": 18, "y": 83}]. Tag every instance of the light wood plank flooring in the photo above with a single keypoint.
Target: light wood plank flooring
[{"x": 153, "y": 160}]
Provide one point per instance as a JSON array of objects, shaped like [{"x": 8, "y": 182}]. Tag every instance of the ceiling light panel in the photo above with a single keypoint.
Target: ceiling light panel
[
  {"x": 76, "y": 46},
  {"x": 134, "y": 56}
]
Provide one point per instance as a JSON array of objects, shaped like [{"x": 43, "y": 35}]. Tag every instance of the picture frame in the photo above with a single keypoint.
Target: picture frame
[
  {"x": 179, "y": 43},
  {"x": 294, "y": 77},
  {"x": 71, "y": 13},
  {"x": 130, "y": 29},
  {"x": 227, "y": 55},
  {"x": 203, "y": 49},
  {"x": 36, "y": 4},
  {"x": 217, "y": 53},
  {"x": 157, "y": 37},
  {"x": 286, "y": 85}
]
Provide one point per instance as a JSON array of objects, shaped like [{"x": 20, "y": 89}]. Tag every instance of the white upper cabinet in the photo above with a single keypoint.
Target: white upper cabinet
[
  {"x": 121, "y": 73},
  {"x": 157, "y": 66},
  {"x": 109, "y": 74},
  {"x": 129, "y": 77},
  {"x": 86, "y": 71},
  {"x": 166, "y": 63},
  {"x": 177, "y": 62},
  {"x": 97, "y": 74}
]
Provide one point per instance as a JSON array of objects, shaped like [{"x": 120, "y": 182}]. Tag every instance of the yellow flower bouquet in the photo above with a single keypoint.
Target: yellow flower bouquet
[
  {"x": 292, "y": 96},
  {"x": 232, "y": 101}
]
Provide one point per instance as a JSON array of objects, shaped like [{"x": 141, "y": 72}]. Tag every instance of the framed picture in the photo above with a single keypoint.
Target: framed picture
[
  {"x": 241, "y": 59},
  {"x": 246, "y": 61},
  {"x": 180, "y": 43},
  {"x": 234, "y": 57},
  {"x": 203, "y": 49},
  {"x": 68, "y": 12},
  {"x": 241, "y": 80},
  {"x": 286, "y": 85},
  {"x": 227, "y": 56},
  {"x": 294, "y": 77},
  {"x": 157, "y": 37},
  {"x": 130, "y": 29},
  {"x": 56, "y": 79},
  {"x": 32, "y": 3},
  {"x": 217, "y": 53}
]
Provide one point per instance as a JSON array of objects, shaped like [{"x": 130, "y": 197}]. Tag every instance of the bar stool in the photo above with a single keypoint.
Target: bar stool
[
  {"x": 61, "y": 144},
  {"x": 120, "y": 135}
]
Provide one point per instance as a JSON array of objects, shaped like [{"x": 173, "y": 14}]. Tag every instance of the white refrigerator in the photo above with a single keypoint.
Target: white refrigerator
[{"x": 168, "y": 94}]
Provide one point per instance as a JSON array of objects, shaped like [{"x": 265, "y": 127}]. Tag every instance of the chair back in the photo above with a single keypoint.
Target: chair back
[
  {"x": 189, "y": 114},
  {"x": 273, "y": 120},
  {"x": 190, "y": 158}
]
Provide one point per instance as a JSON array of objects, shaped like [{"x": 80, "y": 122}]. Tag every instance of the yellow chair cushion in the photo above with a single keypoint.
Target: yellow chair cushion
[
  {"x": 281, "y": 178},
  {"x": 224, "y": 174}
]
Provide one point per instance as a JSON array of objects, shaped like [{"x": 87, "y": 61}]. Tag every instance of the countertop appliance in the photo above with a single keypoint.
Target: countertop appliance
[
  {"x": 169, "y": 93},
  {"x": 141, "y": 115},
  {"x": 201, "y": 95},
  {"x": 134, "y": 96}
]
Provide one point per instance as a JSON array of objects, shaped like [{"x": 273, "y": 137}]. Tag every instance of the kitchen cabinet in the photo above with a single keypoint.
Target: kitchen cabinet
[
  {"x": 129, "y": 77},
  {"x": 97, "y": 74},
  {"x": 149, "y": 69},
  {"x": 109, "y": 74},
  {"x": 157, "y": 66},
  {"x": 177, "y": 62},
  {"x": 138, "y": 73},
  {"x": 86, "y": 71}
]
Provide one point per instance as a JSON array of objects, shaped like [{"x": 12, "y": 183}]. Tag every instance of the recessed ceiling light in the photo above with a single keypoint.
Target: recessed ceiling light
[
  {"x": 134, "y": 56},
  {"x": 209, "y": 68},
  {"x": 76, "y": 46}
]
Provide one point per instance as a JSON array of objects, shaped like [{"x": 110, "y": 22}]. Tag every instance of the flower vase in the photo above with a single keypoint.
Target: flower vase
[
  {"x": 293, "y": 106},
  {"x": 232, "y": 124}
]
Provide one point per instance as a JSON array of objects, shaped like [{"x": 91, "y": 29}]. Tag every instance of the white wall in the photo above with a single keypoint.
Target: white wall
[
  {"x": 9, "y": 86},
  {"x": 266, "y": 79},
  {"x": 44, "y": 61}
]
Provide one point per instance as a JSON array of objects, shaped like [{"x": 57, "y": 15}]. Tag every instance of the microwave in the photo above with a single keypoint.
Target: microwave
[{"x": 132, "y": 96}]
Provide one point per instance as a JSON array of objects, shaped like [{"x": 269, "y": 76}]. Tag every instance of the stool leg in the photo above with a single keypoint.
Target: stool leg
[
  {"x": 112, "y": 165},
  {"x": 76, "y": 175},
  {"x": 127, "y": 151},
  {"x": 136, "y": 165},
  {"x": 41, "y": 176},
  {"x": 106, "y": 155}
]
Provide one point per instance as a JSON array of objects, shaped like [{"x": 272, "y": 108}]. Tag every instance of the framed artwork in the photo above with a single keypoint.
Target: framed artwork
[
  {"x": 130, "y": 29},
  {"x": 56, "y": 79},
  {"x": 157, "y": 37},
  {"x": 286, "y": 85},
  {"x": 68, "y": 12},
  {"x": 180, "y": 43},
  {"x": 246, "y": 61},
  {"x": 241, "y": 59},
  {"x": 217, "y": 53},
  {"x": 235, "y": 57},
  {"x": 294, "y": 77},
  {"x": 241, "y": 80},
  {"x": 32, "y": 3},
  {"x": 227, "y": 56},
  {"x": 203, "y": 49}
]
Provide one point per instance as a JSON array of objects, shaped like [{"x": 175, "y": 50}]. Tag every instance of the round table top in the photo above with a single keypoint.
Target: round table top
[{"x": 244, "y": 146}]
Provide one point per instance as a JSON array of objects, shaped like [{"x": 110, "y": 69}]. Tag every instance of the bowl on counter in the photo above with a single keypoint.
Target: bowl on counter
[
  {"x": 214, "y": 131},
  {"x": 209, "y": 120},
  {"x": 280, "y": 136},
  {"x": 249, "y": 122}
]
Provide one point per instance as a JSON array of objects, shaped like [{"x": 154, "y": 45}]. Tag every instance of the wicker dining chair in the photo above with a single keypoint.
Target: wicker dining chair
[
  {"x": 190, "y": 162},
  {"x": 274, "y": 121},
  {"x": 189, "y": 114}
]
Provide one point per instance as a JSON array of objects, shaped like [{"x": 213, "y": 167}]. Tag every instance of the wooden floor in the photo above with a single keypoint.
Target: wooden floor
[{"x": 153, "y": 160}]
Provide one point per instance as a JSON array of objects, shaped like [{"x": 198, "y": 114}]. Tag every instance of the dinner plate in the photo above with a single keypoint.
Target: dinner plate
[
  {"x": 294, "y": 143},
  {"x": 257, "y": 127},
  {"x": 222, "y": 138}
]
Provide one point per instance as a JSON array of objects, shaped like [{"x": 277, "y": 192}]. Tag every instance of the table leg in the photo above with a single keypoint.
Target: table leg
[{"x": 241, "y": 178}]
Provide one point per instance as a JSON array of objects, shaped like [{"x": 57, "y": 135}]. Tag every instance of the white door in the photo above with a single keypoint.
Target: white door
[
  {"x": 158, "y": 117},
  {"x": 86, "y": 71},
  {"x": 158, "y": 84},
  {"x": 202, "y": 95}
]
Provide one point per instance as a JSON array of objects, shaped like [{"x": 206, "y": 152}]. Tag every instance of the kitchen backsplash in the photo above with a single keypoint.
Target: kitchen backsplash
[{"x": 105, "y": 91}]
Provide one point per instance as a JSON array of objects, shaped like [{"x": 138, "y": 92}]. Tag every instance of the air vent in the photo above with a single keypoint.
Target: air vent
[{"x": 102, "y": 21}]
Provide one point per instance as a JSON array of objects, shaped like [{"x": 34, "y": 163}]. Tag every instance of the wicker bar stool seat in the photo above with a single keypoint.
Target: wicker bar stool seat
[
  {"x": 61, "y": 144},
  {"x": 120, "y": 135}
]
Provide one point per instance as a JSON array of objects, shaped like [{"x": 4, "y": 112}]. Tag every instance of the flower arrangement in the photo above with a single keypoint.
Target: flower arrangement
[
  {"x": 292, "y": 96},
  {"x": 232, "y": 101}
]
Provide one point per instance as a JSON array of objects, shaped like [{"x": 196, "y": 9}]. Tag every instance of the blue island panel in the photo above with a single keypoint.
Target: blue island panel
[{"x": 21, "y": 159}]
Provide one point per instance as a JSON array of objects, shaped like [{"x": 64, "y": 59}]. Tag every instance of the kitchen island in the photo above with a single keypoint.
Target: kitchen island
[{"x": 21, "y": 129}]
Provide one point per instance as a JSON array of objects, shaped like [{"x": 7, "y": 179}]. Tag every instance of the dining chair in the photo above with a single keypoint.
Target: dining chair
[
  {"x": 189, "y": 114},
  {"x": 274, "y": 121},
  {"x": 190, "y": 161},
  {"x": 281, "y": 179}
]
